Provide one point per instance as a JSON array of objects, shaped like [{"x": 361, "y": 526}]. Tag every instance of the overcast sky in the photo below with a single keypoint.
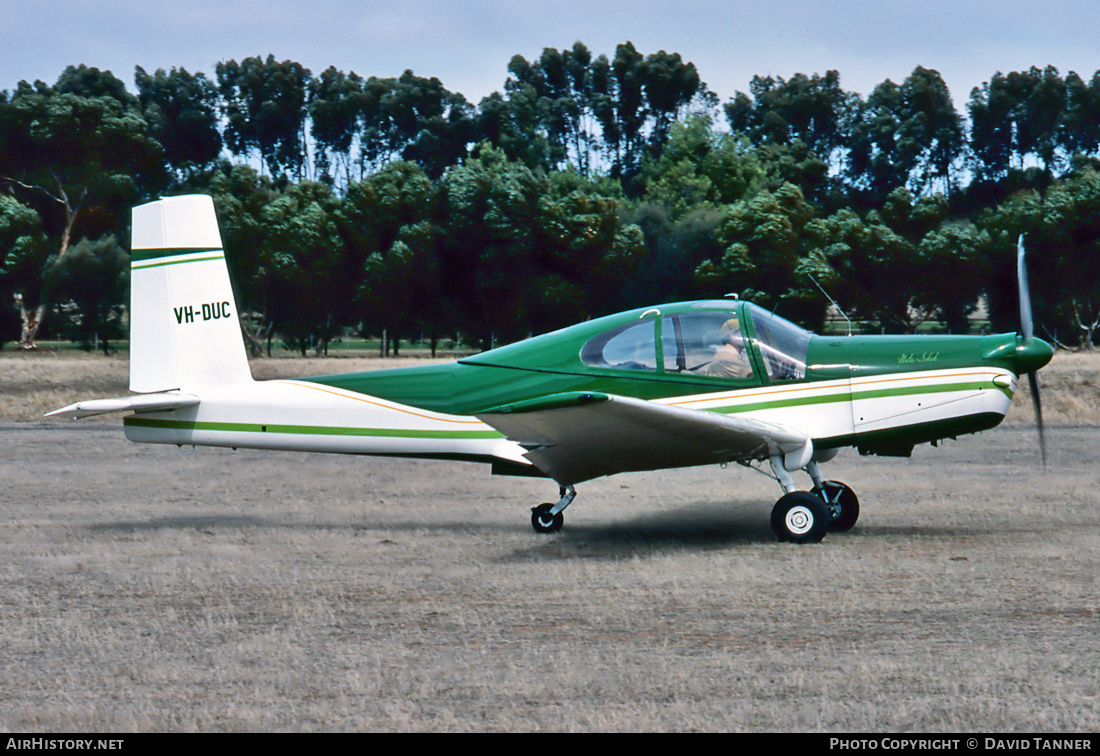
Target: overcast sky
[{"x": 467, "y": 45}]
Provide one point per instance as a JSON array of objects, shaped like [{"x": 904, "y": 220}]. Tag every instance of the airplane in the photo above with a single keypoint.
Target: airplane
[{"x": 675, "y": 385}]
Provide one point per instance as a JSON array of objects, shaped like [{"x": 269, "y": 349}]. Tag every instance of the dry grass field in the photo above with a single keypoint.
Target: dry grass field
[{"x": 142, "y": 590}]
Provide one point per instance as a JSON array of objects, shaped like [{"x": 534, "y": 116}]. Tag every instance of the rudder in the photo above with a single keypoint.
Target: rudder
[{"x": 184, "y": 330}]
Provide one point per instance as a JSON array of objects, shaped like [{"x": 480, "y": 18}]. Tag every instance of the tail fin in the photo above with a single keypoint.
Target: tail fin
[{"x": 184, "y": 332}]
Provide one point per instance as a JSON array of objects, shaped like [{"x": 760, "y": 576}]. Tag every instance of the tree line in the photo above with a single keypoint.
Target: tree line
[{"x": 586, "y": 184}]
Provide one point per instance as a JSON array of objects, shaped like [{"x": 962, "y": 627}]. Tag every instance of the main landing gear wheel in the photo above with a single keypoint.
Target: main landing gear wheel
[
  {"x": 800, "y": 517},
  {"x": 842, "y": 503},
  {"x": 544, "y": 522}
]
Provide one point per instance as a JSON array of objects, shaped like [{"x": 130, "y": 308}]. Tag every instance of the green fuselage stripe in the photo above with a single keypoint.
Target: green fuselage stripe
[
  {"x": 857, "y": 395},
  {"x": 308, "y": 430}
]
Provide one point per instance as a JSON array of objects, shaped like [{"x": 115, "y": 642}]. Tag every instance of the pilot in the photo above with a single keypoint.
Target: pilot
[{"x": 730, "y": 360}]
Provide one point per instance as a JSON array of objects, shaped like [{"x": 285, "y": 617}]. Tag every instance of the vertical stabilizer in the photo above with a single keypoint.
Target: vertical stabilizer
[{"x": 184, "y": 331}]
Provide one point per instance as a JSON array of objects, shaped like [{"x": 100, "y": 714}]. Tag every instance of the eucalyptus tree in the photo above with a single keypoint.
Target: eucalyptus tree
[
  {"x": 1081, "y": 122},
  {"x": 522, "y": 251},
  {"x": 95, "y": 277},
  {"x": 804, "y": 128},
  {"x": 265, "y": 106},
  {"x": 930, "y": 139},
  {"x": 1024, "y": 113},
  {"x": 25, "y": 250},
  {"x": 512, "y": 125},
  {"x": 65, "y": 155},
  {"x": 85, "y": 81},
  {"x": 559, "y": 88},
  {"x": 1062, "y": 234},
  {"x": 906, "y": 135},
  {"x": 306, "y": 266},
  {"x": 413, "y": 118},
  {"x": 875, "y": 166},
  {"x": 240, "y": 195},
  {"x": 813, "y": 109},
  {"x": 335, "y": 109},
  {"x": 598, "y": 115},
  {"x": 991, "y": 108},
  {"x": 765, "y": 254},
  {"x": 637, "y": 101},
  {"x": 181, "y": 110},
  {"x": 389, "y": 227},
  {"x": 436, "y": 125}
]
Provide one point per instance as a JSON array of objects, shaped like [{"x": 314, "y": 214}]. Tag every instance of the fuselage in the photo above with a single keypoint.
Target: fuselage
[{"x": 882, "y": 394}]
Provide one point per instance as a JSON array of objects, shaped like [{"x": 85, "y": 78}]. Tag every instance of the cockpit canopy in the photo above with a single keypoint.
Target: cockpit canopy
[{"x": 722, "y": 339}]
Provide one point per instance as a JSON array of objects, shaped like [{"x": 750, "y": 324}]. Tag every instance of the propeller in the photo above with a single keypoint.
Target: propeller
[{"x": 1032, "y": 353}]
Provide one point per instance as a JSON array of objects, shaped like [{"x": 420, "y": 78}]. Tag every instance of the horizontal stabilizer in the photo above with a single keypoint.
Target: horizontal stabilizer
[{"x": 139, "y": 403}]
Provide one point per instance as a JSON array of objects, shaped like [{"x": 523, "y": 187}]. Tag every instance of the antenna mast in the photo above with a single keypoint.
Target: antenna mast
[{"x": 833, "y": 301}]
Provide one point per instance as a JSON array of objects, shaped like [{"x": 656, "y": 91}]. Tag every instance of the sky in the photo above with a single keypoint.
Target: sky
[{"x": 467, "y": 45}]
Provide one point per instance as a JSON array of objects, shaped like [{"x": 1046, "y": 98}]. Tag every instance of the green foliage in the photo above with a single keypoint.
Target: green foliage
[
  {"x": 303, "y": 266},
  {"x": 589, "y": 183},
  {"x": 555, "y": 104},
  {"x": 809, "y": 109},
  {"x": 764, "y": 240},
  {"x": 23, "y": 244},
  {"x": 24, "y": 249},
  {"x": 70, "y": 150},
  {"x": 1062, "y": 230},
  {"x": 521, "y": 257},
  {"x": 388, "y": 223},
  {"x": 95, "y": 277},
  {"x": 181, "y": 111},
  {"x": 700, "y": 166},
  {"x": 264, "y": 105}
]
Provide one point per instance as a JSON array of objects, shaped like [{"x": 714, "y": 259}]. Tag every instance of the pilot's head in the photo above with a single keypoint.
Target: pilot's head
[{"x": 730, "y": 333}]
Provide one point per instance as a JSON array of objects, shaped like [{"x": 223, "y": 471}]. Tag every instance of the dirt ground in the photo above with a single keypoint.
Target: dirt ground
[{"x": 144, "y": 590}]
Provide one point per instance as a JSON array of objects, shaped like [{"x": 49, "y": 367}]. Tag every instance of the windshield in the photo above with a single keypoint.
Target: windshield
[{"x": 783, "y": 345}]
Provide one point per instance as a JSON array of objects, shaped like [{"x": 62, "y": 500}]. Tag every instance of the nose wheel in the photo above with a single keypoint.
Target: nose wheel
[
  {"x": 543, "y": 520},
  {"x": 548, "y": 518}
]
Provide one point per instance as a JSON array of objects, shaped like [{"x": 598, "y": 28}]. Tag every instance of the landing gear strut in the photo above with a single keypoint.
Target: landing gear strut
[{"x": 548, "y": 518}]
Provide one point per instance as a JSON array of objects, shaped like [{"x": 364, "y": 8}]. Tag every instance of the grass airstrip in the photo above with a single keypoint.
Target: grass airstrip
[{"x": 144, "y": 590}]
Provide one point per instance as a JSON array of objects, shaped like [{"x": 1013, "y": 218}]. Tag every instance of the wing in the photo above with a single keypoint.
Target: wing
[{"x": 579, "y": 436}]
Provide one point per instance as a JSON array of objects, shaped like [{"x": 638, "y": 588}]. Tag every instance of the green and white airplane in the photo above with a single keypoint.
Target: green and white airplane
[{"x": 676, "y": 385}]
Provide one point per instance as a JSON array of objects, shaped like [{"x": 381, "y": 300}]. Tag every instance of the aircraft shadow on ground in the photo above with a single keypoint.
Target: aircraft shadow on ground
[
  {"x": 698, "y": 527},
  {"x": 695, "y": 527},
  {"x": 704, "y": 525}
]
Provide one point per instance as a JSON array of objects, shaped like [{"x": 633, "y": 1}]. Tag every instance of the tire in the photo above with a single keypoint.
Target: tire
[
  {"x": 543, "y": 522},
  {"x": 800, "y": 517},
  {"x": 842, "y": 503}
]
